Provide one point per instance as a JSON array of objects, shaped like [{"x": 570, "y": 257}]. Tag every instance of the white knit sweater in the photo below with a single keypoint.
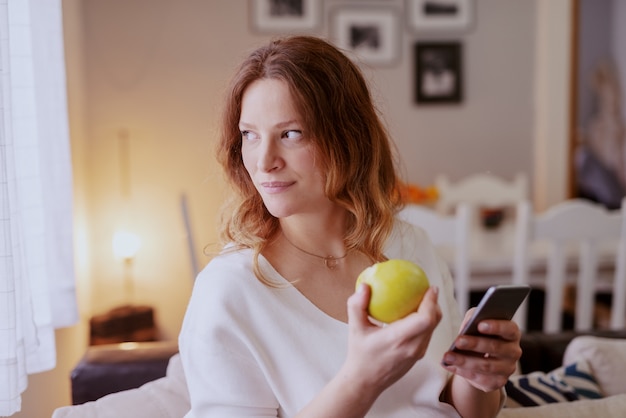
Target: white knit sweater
[{"x": 250, "y": 350}]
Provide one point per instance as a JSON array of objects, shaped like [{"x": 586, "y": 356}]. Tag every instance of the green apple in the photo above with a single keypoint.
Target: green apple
[{"x": 398, "y": 287}]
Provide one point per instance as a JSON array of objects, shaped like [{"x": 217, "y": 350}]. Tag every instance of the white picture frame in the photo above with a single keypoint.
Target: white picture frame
[
  {"x": 285, "y": 16},
  {"x": 440, "y": 15},
  {"x": 369, "y": 35}
]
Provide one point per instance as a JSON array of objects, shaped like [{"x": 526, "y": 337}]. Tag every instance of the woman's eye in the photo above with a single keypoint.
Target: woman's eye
[
  {"x": 247, "y": 135},
  {"x": 293, "y": 134}
]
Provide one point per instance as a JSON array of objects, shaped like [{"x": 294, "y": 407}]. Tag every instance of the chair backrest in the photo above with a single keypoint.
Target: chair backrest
[
  {"x": 481, "y": 190},
  {"x": 573, "y": 230},
  {"x": 450, "y": 235}
]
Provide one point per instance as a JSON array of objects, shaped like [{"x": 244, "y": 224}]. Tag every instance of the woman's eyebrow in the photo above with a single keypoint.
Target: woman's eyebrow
[{"x": 279, "y": 125}]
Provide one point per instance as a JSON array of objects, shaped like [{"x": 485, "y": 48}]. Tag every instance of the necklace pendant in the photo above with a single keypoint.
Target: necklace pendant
[{"x": 331, "y": 262}]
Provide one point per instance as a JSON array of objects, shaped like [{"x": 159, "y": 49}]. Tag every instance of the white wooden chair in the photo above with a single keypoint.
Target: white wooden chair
[
  {"x": 481, "y": 190},
  {"x": 572, "y": 233},
  {"x": 450, "y": 235}
]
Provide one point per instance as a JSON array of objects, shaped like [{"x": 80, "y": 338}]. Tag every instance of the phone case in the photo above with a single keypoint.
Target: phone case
[{"x": 499, "y": 302}]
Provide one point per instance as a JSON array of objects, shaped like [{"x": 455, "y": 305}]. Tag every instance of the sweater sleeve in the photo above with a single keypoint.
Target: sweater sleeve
[{"x": 223, "y": 377}]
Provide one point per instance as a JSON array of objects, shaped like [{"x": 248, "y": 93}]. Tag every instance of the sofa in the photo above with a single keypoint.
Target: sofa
[{"x": 602, "y": 353}]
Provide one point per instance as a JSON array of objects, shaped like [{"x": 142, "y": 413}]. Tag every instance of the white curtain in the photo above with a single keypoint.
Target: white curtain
[{"x": 37, "y": 292}]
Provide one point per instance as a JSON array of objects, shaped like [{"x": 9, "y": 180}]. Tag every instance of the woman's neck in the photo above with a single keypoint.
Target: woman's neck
[{"x": 319, "y": 235}]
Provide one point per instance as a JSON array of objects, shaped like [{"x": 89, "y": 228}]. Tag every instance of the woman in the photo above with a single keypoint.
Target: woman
[{"x": 274, "y": 327}]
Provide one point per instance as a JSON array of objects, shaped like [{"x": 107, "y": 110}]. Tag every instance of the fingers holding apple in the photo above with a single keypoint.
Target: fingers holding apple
[
  {"x": 397, "y": 288},
  {"x": 395, "y": 291}
]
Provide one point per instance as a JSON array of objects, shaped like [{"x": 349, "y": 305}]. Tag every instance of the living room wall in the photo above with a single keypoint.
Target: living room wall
[{"x": 154, "y": 71}]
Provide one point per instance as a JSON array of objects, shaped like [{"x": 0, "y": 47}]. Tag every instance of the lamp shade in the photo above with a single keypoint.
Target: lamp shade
[{"x": 125, "y": 244}]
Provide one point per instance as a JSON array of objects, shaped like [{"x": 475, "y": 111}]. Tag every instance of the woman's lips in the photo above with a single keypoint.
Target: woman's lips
[{"x": 272, "y": 187}]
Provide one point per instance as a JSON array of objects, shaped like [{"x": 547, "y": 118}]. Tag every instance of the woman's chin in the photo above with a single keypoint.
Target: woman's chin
[{"x": 279, "y": 212}]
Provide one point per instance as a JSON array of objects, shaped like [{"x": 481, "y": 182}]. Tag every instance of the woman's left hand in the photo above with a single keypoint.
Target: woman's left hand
[{"x": 486, "y": 362}]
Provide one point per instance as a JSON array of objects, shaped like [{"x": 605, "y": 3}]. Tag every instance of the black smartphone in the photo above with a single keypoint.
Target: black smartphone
[{"x": 499, "y": 302}]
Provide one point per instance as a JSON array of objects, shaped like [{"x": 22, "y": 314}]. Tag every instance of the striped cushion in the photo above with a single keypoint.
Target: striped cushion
[{"x": 568, "y": 383}]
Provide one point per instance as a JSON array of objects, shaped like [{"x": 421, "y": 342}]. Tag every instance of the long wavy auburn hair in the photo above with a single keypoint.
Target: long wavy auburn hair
[{"x": 352, "y": 145}]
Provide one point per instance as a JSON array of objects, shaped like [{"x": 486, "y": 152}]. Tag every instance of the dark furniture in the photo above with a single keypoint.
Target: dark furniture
[
  {"x": 544, "y": 352},
  {"x": 111, "y": 368}
]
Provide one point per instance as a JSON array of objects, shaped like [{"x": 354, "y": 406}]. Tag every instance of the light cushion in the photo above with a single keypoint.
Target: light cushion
[
  {"x": 611, "y": 407},
  {"x": 606, "y": 358},
  {"x": 565, "y": 384}
]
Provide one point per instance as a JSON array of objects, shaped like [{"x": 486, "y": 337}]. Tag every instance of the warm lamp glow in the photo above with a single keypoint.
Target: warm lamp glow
[
  {"x": 129, "y": 345},
  {"x": 126, "y": 244}
]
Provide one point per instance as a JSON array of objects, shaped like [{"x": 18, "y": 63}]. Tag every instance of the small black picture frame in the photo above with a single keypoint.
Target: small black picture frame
[{"x": 438, "y": 72}]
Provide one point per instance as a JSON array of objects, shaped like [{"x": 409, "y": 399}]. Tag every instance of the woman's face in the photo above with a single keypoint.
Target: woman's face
[{"x": 277, "y": 153}]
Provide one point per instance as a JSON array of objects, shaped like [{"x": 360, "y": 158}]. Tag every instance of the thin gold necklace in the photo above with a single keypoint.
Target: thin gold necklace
[{"x": 330, "y": 261}]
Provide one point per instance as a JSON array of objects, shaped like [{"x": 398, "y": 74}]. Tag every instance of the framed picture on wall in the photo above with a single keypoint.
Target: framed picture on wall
[
  {"x": 283, "y": 16},
  {"x": 438, "y": 72},
  {"x": 440, "y": 15},
  {"x": 368, "y": 34}
]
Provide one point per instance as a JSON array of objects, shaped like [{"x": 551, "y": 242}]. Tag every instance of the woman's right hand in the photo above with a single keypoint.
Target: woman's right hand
[{"x": 379, "y": 356}]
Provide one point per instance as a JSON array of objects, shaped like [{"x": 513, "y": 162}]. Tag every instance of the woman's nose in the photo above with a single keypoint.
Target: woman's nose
[{"x": 269, "y": 157}]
